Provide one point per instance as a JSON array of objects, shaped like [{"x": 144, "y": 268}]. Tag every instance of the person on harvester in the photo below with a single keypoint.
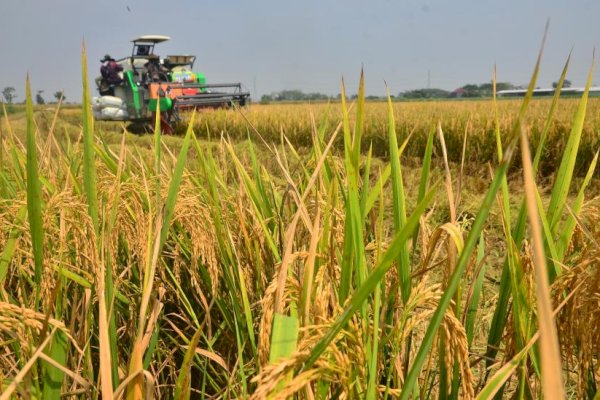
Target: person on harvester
[
  {"x": 156, "y": 71},
  {"x": 110, "y": 71}
]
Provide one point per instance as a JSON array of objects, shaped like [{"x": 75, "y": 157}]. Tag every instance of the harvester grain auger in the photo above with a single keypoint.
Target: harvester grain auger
[{"x": 174, "y": 87}]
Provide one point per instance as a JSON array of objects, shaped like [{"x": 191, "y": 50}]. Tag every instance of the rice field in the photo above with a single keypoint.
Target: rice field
[
  {"x": 458, "y": 118},
  {"x": 345, "y": 250}
]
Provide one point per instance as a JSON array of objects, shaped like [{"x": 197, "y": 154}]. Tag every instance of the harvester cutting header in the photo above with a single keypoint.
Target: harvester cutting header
[{"x": 133, "y": 88}]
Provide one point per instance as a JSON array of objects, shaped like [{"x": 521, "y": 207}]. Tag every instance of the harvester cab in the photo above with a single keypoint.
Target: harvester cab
[{"x": 170, "y": 85}]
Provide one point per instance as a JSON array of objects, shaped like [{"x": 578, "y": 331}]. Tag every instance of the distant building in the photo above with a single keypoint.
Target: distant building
[{"x": 571, "y": 91}]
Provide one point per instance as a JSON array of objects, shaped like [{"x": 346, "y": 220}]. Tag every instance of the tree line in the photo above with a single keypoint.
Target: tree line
[
  {"x": 469, "y": 90},
  {"x": 9, "y": 94}
]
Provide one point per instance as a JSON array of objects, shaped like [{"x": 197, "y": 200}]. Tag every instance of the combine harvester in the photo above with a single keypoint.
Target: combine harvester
[{"x": 178, "y": 88}]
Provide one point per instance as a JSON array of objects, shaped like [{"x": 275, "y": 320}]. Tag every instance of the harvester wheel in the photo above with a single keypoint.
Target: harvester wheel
[{"x": 140, "y": 128}]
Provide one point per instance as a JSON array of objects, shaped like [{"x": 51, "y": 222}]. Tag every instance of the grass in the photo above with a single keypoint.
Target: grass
[{"x": 343, "y": 251}]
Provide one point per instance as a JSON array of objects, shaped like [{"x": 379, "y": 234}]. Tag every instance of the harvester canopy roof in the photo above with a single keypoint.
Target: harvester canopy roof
[{"x": 150, "y": 39}]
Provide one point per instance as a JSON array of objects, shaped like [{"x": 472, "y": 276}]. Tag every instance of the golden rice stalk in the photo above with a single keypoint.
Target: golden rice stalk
[{"x": 552, "y": 385}]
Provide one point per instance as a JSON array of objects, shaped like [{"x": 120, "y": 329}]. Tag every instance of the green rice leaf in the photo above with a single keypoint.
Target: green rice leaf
[
  {"x": 176, "y": 178},
  {"x": 399, "y": 204},
  {"x": 569, "y": 225},
  {"x": 473, "y": 305},
  {"x": 496, "y": 383},
  {"x": 425, "y": 171},
  {"x": 567, "y": 165},
  {"x": 550, "y": 117},
  {"x": 53, "y": 377},
  {"x": 284, "y": 337},
  {"x": 184, "y": 379},
  {"x": 89, "y": 155},
  {"x": 34, "y": 195}
]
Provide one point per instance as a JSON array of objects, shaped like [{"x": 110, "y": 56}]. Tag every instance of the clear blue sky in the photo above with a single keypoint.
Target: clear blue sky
[{"x": 272, "y": 45}]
